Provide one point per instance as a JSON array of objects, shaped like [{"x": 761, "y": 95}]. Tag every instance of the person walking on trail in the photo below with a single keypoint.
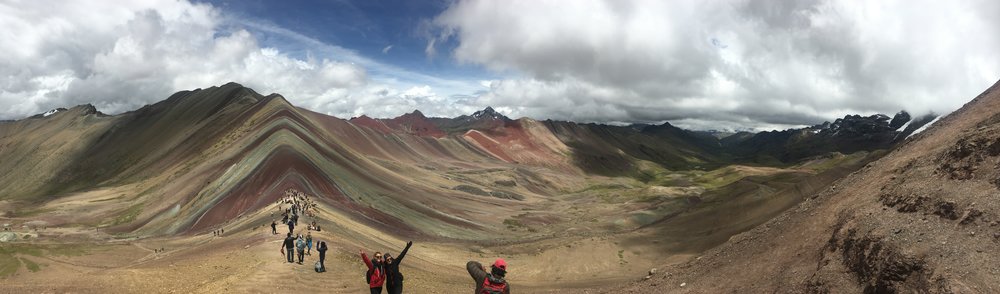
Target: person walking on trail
[
  {"x": 274, "y": 228},
  {"x": 376, "y": 272},
  {"x": 301, "y": 246},
  {"x": 393, "y": 278},
  {"x": 321, "y": 248},
  {"x": 291, "y": 226},
  {"x": 489, "y": 282},
  {"x": 287, "y": 246},
  {"x": 309, "y": 243}
]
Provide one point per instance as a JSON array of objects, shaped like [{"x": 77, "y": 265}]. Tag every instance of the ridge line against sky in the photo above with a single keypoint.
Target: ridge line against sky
[{"x": 727, "y": 65}]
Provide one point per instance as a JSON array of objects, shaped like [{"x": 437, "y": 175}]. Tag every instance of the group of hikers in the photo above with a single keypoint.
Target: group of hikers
[
  {"x": 299, "y": 204},
  {"x": 383, "y": 269},
  {"x": 303, "y": 245}
]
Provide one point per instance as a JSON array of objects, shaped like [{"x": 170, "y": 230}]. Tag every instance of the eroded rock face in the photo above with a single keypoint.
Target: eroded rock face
[
  {"x": 967, "y": 156},
  {"x": 880, "y": 267}
]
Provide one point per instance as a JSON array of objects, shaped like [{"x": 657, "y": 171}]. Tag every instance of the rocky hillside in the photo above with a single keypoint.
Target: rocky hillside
[{"x": 923, "y": 219}]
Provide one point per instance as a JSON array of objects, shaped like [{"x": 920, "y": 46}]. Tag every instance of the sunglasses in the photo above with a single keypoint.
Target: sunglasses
[{"x": 378, "y": 256}]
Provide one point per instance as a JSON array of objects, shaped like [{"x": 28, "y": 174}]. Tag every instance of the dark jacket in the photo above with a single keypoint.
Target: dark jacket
[
  {"x": 394, "y": 278},
  {"x": 479, "y": 275},
  {"x": 322, "y": 250},
  {"x": 289, "y": 242}
]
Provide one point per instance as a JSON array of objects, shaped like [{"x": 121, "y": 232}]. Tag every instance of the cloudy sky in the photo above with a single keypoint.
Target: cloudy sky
[{"x": 698, "y": 64}]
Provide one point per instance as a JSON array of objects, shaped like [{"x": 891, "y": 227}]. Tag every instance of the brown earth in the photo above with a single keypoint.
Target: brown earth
[{"x": 923, "y": 219}]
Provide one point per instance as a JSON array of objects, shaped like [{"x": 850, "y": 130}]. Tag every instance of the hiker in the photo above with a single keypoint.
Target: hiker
[
  {"x": 376, "y": 272},
  {"x": 287, "y": 248},
  {"x": 274, "y": 228},
  {"x": 321, "y": 248},
  {"x": 222, "y": 231},
  {"x": 291, "y": 226},
  {"x": 309, "y": 243},
  {"x": 301, "y": 246},
  {"x": 492, "y": 282},
  {"x": 394, "y": 279}
]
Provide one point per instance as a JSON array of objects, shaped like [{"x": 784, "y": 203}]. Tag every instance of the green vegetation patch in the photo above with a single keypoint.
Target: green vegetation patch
[
  {"x": 10, "y": 260},
  {"x": 31, "y": 265},
  {"x": 513, "y": 224},
  {"x": 8, "y": 265},
  {"x": 720, "y": 177},
  {"x": 128, "y": 215},
  {"x": 66, "y": 250},
  {"x": 11, "y": 249}
]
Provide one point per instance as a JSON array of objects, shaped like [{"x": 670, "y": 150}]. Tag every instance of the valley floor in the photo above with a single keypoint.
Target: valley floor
[
  {"x": 250, "y": 261},
  {"x": 610, "y": 232}
]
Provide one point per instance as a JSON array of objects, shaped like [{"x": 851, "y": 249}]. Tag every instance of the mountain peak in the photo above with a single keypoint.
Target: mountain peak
[
  {"x": 232, "y": 85},
  {"x": 489, "y": 113},
  {"x": 415, "y": 113}
]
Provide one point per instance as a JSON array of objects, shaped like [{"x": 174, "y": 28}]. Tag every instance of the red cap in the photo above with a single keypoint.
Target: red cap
[{"x": 500, "y": 264}]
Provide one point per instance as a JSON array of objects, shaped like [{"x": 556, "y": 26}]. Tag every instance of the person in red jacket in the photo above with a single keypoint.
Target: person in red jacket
[
  {"x": 376, "y": 272},
  {"x": 491, "y": 282}
]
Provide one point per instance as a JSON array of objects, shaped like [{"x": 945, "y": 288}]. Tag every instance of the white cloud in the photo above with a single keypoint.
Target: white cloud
[
  {"x": 756, "y": 63},
  {"x": 386, "y": 49},
  {"x": 120, "y": 56},
  {"x": 746, "y": 63}
]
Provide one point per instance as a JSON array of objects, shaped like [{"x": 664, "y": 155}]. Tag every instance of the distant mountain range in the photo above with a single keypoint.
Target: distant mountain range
[
  {"x": 612, "y": 150},
  {"x": 197, "y": 154}
]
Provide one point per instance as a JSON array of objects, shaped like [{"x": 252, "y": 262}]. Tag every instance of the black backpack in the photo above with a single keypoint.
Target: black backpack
[{"x": 370, "y": 272}]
